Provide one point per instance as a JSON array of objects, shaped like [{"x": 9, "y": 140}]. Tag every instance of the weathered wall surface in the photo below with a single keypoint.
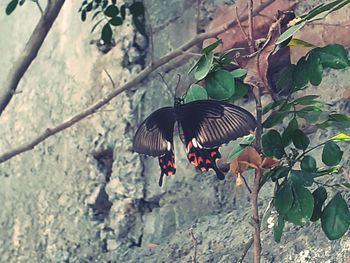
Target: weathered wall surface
[{"x": 83, "y": 195}]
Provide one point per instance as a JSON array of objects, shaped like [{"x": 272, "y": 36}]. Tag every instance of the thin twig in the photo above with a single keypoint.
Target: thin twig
[
  {"x": 192, "y": 54},
  {"x": 246, "y": 249},
  {"x": 240, "y": 26},
  {"x": 131, "y": 84},
  {"x": 255, "y": 192},
  {"x": 251, "y": 41},
  {"x": 246, "y": 184},
  {"x": 195, "y": 245},
  {"x": 256, "y": 218},
  {"x": 150, "y": 34},
  {"x": 39, "y": 6},
  {"x": 110, "y": 78}
]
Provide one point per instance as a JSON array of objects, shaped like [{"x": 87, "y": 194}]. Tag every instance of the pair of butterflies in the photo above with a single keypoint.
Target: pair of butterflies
[{"x": 204, "y": 125}]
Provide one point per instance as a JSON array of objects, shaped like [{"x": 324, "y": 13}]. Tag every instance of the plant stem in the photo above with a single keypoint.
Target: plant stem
[
  {"x": 309, "y": 150},
  {"x": 256, "y": 219},
  {"x": 255, "y": 192},
  {"x": 250, "y": 23}
]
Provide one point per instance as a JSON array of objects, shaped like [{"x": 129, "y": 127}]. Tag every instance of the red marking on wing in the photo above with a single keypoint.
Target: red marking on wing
[
  {"x": 191, "y": 155},
  {"x": 189, "y": 145},
  {"x": 213, "y": 154}
]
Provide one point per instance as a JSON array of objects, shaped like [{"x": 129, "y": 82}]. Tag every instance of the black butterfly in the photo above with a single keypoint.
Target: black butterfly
[{"x": 203, "y": 125}]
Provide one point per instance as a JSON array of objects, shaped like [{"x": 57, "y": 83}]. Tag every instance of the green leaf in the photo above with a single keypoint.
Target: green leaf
[
  {"x": 272, "y": 144},
  {"x": 284, "y": 77},
  {"x": 137, "y": 9},
  {"x": 280, "y": 172},
  {"x": 284, "y": 199},
  {"x": 278, "y": 229},
  {"x": 306, "y": 98},
  {"x": 275, "y": 118},
  {"x": 308, "y": 163},
  {"x": 300, "y": 140},
  {"x": 111, "y": 11},
  {"x": 11, "y": 7},
  {"x": 96, "y": 14},
  {"x": 220, "y": 85},
  {"x": 246, "y": 141},
  {"x": 83, "y": 15},
  {"x": 320, "y": 196},
  {"x": 331, "y": 154},
  {"x": 272, "y": 105},
  {"x": 212, "y": 46},
  {"x": 316, "y": 117},
  {"x": 122, "y": 11},
  {"x": 88, "y": 7},
  {"x": 323, "y": 10},
  {"x": 21, "y": 2},
  {"x": 301, "y": 178},
  {"x": 289, "y": 32},
  {"x": 331, "y": 170},
  {"x": 196, "y": 92},
  {"x": 287, "y": 133},
  {"x": 238, "y": 73},
  {"x": 339, "y": 117},
  {"x": 303, "y": 206},
  {"x": 203, "y": 66},
  {"x": 300, "y": 76},
  {"x": 97, "y": 23},
  {"x": 140, "y": 27},
  {"x": 342, "y": 137},
  {"x": 116, "y": 21},
  {"x": 295, "y": 42},
  {"x": 106, "y": 34},
  {"x": 241, "y": 90},
  {"x": 314, "y": 69},
  {"x": 333, "y": 56},
  {"x": 335, "y": 218}
]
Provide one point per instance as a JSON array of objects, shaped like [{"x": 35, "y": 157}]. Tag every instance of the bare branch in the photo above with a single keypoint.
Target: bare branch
[
  {"x": 246, "y": 249},
  {"x": 195, "y": 245},
  {"x": 256, "y": 218},
  {"x": 246, "y": 184},
  {"x": 251, "y": 27},
  {"x": 29, "y": 53},
  {"x": 110, "y": 78},
  {"x": 240, "y": 26},
  {"x": 138, "y": 78}
]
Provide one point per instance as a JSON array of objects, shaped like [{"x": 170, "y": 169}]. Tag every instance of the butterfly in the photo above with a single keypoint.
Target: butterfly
[{"x": 204, "y": 125}]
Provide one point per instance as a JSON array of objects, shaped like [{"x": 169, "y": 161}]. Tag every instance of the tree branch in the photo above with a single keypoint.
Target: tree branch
[
  {"x": 138, "y": 78},
  {"x": 29, "y": 53}
]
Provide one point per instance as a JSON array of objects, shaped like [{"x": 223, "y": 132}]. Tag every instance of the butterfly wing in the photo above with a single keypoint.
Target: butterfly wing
[
  {"x": 154, "y": 137},
  {"x": 155, "y": 133},
  {"x": 213, "y": 123}
]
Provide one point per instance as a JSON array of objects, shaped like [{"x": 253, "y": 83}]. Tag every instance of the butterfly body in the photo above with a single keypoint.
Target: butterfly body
[{"x": 203, "y": 125}]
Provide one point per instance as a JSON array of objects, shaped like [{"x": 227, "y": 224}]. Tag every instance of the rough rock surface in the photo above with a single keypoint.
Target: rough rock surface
[{"x": 83, "y": 195}]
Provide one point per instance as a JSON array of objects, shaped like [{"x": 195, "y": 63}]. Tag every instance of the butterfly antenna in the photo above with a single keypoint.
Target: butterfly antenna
[
  {"x": 166, "y": 84},
  {"x": 178, "y": 82}
]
